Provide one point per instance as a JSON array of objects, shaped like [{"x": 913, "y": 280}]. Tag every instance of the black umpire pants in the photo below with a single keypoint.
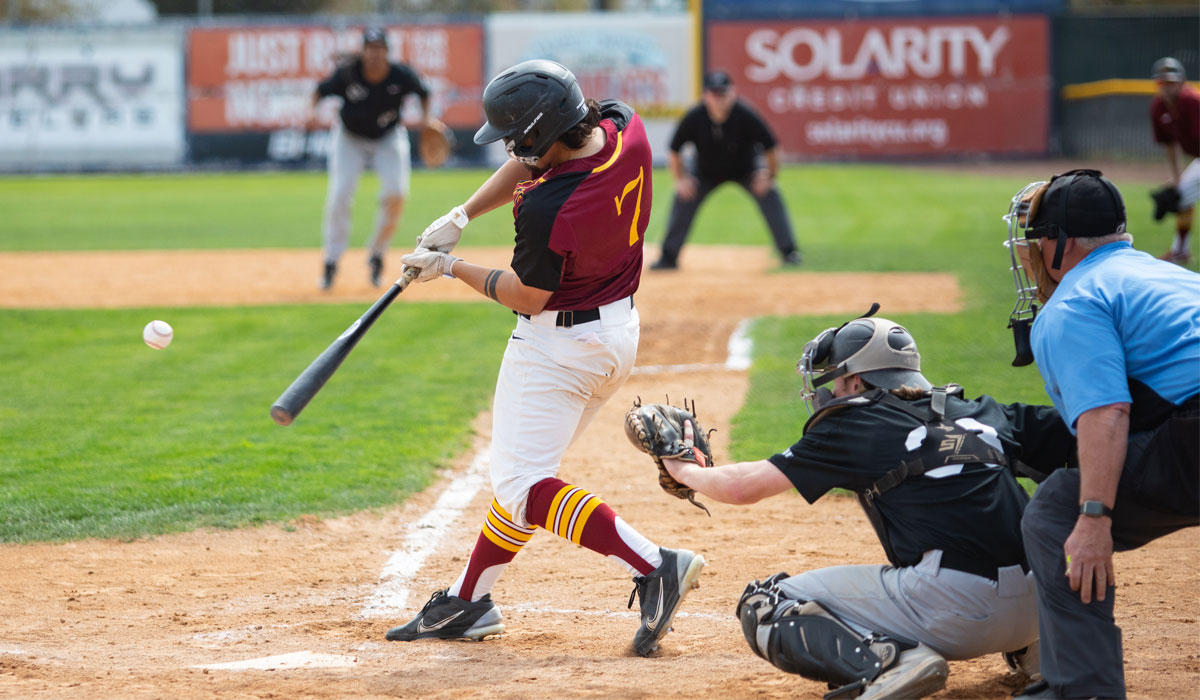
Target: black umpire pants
[
  {"x": 679, "y": 223},
  {"x": 1081, "y": 654}
]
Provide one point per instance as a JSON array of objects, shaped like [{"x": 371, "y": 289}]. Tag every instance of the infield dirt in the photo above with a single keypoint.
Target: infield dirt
[{"x": 106, "y": 619}]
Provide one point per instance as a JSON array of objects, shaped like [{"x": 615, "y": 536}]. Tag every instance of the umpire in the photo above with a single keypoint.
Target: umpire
[
  {"x": 934, "y": 472},
  {"x": 368, "y": 131},
  {"x": 733, "y": 144},
  {"x": 1118, "y": 344}
]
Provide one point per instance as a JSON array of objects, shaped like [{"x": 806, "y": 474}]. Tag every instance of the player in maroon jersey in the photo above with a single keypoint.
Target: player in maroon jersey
[
  {"x": 579, "y": 179},
  {"x": 1175, "y": 114}
]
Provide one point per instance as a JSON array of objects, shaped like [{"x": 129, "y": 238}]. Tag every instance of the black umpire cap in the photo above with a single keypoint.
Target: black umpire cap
[
  {"x": 718, "y": 81},
  {"x": 374, "y": 35}
]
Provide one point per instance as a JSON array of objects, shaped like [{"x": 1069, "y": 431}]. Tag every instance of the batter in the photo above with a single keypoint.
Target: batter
[{"x": 579, "y": 179}]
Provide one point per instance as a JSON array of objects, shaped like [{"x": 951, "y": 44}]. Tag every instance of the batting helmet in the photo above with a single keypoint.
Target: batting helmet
[
  {"x": 1168, "y": 70},
  {"x": 529, "y": 106}
]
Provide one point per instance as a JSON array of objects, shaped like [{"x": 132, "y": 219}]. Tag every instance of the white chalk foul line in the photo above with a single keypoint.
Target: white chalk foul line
[
  {"x": 422, "y": 539},
  {"x": 739, "y": 351},
  {"x": 298, "y": 659},
  {"x": 540, "y": 609}
]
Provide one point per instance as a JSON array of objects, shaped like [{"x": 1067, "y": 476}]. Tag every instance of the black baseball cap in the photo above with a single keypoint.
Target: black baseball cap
[
  {"x": 1079, "y": 204},
  {"x": 374, "y": 35},
  {"x": 718, "y": 81}
]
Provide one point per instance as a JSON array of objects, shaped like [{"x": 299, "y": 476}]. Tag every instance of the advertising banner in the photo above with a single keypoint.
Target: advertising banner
[
  {"x": 889, "y": 87},
  {"x": 100, "y": 98},
  {"x": 260, "y": 79},
  {"x": 841, "y": 9},
  {"x": 645, "y": 60}
]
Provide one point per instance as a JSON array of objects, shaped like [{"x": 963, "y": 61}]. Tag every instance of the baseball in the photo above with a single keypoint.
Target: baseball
[{"x": 158, "y": 334}]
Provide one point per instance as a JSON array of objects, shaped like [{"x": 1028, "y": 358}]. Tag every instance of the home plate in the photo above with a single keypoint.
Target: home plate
[{"x": 299, "y": 659}]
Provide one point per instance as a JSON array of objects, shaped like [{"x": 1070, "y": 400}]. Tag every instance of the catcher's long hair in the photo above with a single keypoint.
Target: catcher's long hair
[
  {"x": 905, "y": 393},
  {"x": 577, "y": 136}
]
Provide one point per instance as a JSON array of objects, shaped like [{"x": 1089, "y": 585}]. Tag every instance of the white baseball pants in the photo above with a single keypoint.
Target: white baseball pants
[
  {"x": 1189, "y": 185},
  {"x": 349, "y": 155},
  {"x": 551, "y": 383}
]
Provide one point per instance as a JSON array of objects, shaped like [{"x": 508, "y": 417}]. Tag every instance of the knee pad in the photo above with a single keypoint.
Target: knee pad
[
  {"x": 759, "y": 602},
  {"x": 808, "y": 640}
]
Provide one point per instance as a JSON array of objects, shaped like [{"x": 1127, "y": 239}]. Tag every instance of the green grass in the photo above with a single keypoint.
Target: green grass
[
  {"x": 102, "y": 436},
  {"x": 106, "y": 437}
]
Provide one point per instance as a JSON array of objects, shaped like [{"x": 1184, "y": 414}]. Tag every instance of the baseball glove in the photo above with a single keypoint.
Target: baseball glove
[
  {"x": 1166, "y": 201},
  {"x": 657, "y": 430},
  {"x": 435, "y": 143}
]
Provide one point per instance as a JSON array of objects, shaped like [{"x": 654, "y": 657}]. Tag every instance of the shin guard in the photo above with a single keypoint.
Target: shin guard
[{"x": 804, "y": 638}]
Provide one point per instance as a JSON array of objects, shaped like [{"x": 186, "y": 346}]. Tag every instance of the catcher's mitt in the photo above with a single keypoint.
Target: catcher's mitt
[
  {"x": 657, "y": 430},
  {"x": 434, "y": 144},
  {"x": 1166, "y": 201}
]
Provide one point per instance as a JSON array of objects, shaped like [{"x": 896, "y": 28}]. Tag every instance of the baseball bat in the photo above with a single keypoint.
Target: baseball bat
[{"x": 293, "y": 400}]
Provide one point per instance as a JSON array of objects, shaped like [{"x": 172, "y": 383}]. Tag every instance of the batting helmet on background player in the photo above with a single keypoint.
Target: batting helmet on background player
[
  {"x": 1168, "y": 70},
  {"x": 529, "y": 106}
]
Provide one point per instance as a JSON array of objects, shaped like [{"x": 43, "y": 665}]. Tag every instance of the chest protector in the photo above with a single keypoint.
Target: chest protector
[{"x": 945, "y": 444}]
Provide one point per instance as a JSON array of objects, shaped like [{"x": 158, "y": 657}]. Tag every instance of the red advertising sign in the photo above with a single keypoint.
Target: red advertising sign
[
  {"x": 916, "y": 86},
  {"x": 262, "y": 78}
]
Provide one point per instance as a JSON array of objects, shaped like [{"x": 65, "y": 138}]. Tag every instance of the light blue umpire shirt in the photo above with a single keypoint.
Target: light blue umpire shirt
[{"x": 1120, "y": 314}]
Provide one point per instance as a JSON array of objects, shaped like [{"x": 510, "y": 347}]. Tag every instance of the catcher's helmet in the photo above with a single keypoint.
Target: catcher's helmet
[
  {"x": 880, "y": 351},
  {"x": 1168, "y": 70},
  {"x": 529, "y": 106}
]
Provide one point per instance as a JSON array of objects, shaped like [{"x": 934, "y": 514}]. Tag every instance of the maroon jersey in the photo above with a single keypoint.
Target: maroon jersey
[
  {"x": 1180, "y": 122},
  {"x": 580, "y": 225}
]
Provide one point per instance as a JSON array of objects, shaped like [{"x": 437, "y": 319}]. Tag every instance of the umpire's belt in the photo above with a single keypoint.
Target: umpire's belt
[
  {"x": 977, "y": 567},
  {"x": 615, "y": 312}
]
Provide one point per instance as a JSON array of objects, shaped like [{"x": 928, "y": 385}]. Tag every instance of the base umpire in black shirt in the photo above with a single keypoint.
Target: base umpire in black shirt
[{"x": 733, "y": 144}]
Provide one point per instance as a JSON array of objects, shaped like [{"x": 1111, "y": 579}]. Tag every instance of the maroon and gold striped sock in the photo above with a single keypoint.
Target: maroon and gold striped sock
[
  {"x": 577, "y": 515},
  {"x": 497, "y": 545}
]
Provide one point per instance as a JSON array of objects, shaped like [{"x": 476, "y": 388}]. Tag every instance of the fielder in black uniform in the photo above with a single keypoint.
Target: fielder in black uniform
[
  {"x": 733, "y": 144},
  {"x": 934, "y": 472},
  {"x": 368, "y": 131}
]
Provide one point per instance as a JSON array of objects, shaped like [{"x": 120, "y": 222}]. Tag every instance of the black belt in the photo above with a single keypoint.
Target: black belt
[
  {"x": 566, "y": 319},
  {"x": 979, "y": 568}
]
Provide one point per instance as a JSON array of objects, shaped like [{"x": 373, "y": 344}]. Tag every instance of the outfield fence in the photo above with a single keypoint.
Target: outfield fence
[{"x": 836, "y": 79}]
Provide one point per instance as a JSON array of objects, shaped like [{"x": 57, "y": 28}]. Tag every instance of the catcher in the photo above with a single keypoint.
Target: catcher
[{"x": 935, "y": 473}]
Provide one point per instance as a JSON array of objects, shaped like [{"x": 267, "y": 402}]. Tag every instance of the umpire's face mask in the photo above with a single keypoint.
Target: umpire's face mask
[{"x": 1032, "y": 280}]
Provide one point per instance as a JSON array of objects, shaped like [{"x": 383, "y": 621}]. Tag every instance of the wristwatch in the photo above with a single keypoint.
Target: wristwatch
[{"x": 1094, "y": 509}]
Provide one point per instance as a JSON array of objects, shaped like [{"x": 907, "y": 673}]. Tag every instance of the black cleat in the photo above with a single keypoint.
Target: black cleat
[
  {"x": 665, "y": 264},
  {"x": 793, "y": 259},
  {"x": 451, "y": 617},
  {"x": 376, "y": 265},
  {"x": 661, "y": 592},
  {"x": 327, "y": 278}
]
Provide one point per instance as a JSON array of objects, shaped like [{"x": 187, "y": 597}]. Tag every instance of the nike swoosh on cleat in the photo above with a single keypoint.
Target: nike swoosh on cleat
[
  {"x": 422, "y": 628},
  {"x": 652, "y": 621}
]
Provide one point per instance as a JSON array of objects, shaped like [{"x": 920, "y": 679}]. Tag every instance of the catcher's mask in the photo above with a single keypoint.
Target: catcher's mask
[
  {"x": 880, "y": 351},
  {"x": 1075, "y": 204},
  {"x": 529, "y": 106}
]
